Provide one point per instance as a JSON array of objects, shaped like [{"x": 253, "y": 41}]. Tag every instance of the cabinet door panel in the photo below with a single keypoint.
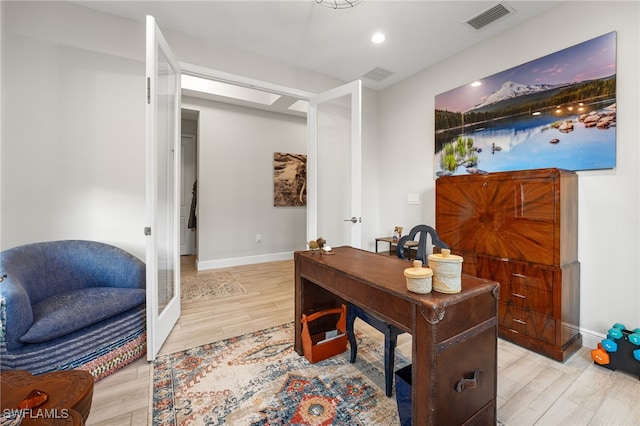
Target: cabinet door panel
[{"x": 505, "y": 219}]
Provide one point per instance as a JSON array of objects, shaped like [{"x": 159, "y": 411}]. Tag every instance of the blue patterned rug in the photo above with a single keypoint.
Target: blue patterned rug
[{"x": 258, "y": 379}]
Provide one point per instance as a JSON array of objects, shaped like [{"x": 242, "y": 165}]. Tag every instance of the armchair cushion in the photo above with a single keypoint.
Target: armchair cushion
[{"x": 67, "y": 312}]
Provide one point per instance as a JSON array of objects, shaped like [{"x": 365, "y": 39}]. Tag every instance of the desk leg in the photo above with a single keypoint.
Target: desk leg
[
  {"x": 351, "y": 318},
  {"x": 297, "y": 311},
  {"x": 423, "y": 384}
]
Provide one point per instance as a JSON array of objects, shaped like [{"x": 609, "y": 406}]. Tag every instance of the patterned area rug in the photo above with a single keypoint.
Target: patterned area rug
[
  {"x": 210, "y": 285},
  {"x": 258, "y": 379}
]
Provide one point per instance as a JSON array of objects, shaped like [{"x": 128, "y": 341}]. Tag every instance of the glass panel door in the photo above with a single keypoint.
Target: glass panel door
[{"x": 162, "y": 190}]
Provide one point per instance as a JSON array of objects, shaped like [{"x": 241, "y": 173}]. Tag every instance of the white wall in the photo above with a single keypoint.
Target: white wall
[
  {"x": 73, "y": 134},
  {"x": 235, "y": 184},
  {"x": 608, "y": 200}
]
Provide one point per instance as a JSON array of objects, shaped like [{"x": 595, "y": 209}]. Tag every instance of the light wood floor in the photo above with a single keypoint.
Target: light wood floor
[{"x": 532, "y": 389}]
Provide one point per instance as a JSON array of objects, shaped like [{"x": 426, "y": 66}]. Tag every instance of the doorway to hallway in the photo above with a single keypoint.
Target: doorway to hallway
[{"x": 188, "y": 183}]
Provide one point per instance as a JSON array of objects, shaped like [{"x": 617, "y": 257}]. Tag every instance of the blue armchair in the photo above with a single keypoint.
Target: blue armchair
[{"x": 71, "y": 304}]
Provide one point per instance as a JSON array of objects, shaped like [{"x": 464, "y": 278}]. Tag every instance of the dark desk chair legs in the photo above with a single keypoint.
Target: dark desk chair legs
[{"x": 390, "y": 341}]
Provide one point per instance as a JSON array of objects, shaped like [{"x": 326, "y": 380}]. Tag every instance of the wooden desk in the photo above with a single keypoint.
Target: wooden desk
[{"x": 453, "y": 334}]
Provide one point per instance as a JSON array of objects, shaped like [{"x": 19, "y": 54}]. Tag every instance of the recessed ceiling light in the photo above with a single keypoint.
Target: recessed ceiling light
[
  {"x": 378, "y": 38},
  {"x": 476, "y": 84}
]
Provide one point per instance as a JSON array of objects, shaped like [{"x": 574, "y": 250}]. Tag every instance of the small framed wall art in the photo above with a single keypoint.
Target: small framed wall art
[{"x": 289, "y": 179}]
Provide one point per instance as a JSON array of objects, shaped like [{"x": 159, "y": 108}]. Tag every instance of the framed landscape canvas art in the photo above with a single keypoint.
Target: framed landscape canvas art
[{"x": 556, "y": 111}]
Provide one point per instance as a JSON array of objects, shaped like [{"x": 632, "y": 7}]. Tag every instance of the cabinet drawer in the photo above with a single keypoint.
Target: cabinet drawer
[
  {"x": 534, "y": 325},
  {"x": 532, "y": 277},
  {"x": 508, "y": 272},
  {"x": 527, "y": 298},
  {"x": 529, "y": 288}
]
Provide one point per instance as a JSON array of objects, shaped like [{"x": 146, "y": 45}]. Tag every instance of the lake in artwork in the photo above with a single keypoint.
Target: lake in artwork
[{"x": 557, "y": 111}]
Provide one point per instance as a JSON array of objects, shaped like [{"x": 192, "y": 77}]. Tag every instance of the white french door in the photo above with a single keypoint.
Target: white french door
[
  {"x": 334, "y": 166},
  {"x": 162, "y": 189}
]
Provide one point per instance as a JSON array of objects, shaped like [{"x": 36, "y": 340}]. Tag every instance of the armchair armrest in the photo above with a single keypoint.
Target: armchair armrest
[{"x": 16, "y": 314}]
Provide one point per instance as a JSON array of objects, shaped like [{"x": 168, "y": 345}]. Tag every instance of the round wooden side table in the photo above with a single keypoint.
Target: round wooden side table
[{"x": 70, "y": 393}]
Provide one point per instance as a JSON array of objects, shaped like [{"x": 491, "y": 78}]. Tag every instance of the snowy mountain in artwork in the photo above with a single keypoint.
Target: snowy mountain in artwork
[{"x": 511, "y": 90}]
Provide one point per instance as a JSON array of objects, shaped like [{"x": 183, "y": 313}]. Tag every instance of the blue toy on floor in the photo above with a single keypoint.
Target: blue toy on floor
[{"x": 620, "y": 350}]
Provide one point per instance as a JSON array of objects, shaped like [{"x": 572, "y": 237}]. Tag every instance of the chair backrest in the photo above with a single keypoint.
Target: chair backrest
[{"x": 423, "y": 230}]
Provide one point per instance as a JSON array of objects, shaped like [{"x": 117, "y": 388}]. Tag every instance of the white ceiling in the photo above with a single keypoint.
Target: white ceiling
[{"x": 337, "y": 43}]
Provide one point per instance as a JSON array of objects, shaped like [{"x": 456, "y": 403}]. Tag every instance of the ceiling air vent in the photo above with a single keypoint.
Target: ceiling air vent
[
  {"x": 490, "y": 15},
  {"x": 378, "y": 74}
]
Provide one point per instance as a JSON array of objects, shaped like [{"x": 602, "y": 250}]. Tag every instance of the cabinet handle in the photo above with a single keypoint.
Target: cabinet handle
[
  {"x": 464, "y": 384},
  {"x": 519, "y": 321},
  {"x": 521, "y": 296},
  {"x": 519, "y": 275}
]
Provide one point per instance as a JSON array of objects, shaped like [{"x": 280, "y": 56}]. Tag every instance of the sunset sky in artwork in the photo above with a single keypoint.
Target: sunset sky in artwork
[{"x": 593, "y": 59}]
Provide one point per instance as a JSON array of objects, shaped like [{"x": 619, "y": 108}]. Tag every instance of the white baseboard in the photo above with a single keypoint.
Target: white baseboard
[
  {"x": 203, "y": 265},
  {"x": 590, "y": 339}
]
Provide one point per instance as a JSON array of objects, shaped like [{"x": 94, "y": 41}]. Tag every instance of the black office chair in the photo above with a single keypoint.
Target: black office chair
[
  {"x": 421, "y": 253},
  {"x": 390, "y": 331}
]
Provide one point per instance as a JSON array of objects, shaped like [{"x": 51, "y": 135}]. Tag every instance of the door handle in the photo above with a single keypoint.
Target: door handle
[{"x": 353, "y": 220}]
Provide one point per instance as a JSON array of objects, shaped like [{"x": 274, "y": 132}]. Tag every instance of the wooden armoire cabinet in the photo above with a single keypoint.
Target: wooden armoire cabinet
[{"x": 520, "y": 229}]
